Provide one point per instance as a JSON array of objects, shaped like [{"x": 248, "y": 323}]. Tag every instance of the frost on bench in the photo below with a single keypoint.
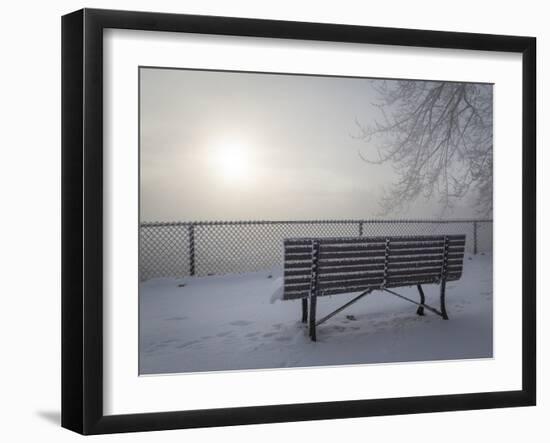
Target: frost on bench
[{"x": 325, "y": 266}]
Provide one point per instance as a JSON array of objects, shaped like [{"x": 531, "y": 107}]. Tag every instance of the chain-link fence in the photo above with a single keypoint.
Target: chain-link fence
[{"x": 179, "y": 249}]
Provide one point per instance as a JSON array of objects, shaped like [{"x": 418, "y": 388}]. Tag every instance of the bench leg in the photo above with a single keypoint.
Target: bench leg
[
  {"x": 312, "y": 309},
  {"x": 304, "y": 310},
  {"x": 443, "y": 309},
  {"x": 420, "y": 310}
]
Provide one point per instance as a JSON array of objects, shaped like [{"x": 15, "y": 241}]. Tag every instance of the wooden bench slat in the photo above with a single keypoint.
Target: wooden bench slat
[
  {"x": 393, "y": 254},
  {"x": 430, "y": 271},
  {"x": 405, "y": 248},
  {"x": 422, "y": 252},
  {"x": 350, "y": 277},
  {"x": 333, "y": 270},
  {"x": 411, "y": 267},
  {"x": 297, "y": 272},
  {"x": 345, "y": 291},
  {"x": 378, "y": 247},
  {"x": 325, "y": 264},
  {"x": 422, "y": 264},
  {"x": 366, "y": 246},
  {"x": 373, "y": 278},
  {"x": 420, "y": 245},
  {"x": 297, "y": 257},
  {"x": 361, "y": 254},
  {"x": 298, "y": 280},
  {"x": 353, "y": 248},
  {"x": 379, "y": 239},
  {"x": 366, "y": 254},
  {"x": 363, "y": 284},
  {"x": 412, "y": 261},
  {"x": 300, "y": 249},
  {"x": 403, "y": 259},
  {"x": 330, "y": 268},
  {"x": 417, "y": 245},
  {"x": 347, "y": 276},
  {"x": 298, "y": 265},
  {"x": 406, "y": 281},
  {"x": 291, "y": 295},
  {"x": 299, "y": 287},
  {"x": 337, "y": 248},
  {"x": 350, "y": 261},
  {"x": 360, "y": 283}
]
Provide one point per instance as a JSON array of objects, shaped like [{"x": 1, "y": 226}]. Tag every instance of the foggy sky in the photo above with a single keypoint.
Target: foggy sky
[{"x": 296, "y": 154}]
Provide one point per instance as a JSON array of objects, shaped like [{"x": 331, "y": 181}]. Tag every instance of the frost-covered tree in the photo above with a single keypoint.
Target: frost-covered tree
[{"x": 438, "y": 136}]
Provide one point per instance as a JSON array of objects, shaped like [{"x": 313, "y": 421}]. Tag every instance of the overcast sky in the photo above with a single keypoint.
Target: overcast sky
[{"x": 238, "y": 146}]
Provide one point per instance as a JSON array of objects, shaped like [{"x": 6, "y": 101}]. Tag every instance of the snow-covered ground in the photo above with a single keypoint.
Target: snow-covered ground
[{"x": 238, "y": 322}]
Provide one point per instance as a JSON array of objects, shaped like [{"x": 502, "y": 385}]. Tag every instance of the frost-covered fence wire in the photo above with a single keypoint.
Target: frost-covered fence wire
[{"x": 179, "y": 249}]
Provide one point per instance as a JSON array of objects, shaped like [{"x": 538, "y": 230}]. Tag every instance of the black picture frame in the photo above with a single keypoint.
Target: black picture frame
[{"x": 82, "y": 218}]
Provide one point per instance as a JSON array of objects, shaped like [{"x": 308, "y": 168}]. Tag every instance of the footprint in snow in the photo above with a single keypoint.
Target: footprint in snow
[
  {"x": 155, "y": 347},
  {"x": 283, "y": 338},
  {"x": 176, "y": 318},
  {"x": 240, "y": 323},
  {"x": 187, "y": 343},
  {"x": 338, "y": 328}
]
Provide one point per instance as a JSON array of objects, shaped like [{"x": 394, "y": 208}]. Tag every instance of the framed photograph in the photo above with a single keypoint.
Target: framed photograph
[{"x": 269, "y": 221}]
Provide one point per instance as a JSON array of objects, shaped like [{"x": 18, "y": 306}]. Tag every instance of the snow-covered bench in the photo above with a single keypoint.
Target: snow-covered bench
[{"x": 324, "y": 266}]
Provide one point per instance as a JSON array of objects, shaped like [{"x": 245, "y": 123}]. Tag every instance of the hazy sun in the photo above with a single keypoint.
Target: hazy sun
[{"x": 232, "y": 161}]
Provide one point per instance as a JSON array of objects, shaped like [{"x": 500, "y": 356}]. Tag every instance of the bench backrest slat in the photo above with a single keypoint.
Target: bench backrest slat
[{"x": 356, "y": 263}]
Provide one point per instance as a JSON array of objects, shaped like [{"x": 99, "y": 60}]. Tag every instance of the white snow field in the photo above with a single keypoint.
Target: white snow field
[{"x": 237, "y": 322}]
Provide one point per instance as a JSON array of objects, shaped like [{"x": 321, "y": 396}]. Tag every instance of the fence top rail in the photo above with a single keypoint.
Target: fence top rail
[{"x": 154, "y": 224}]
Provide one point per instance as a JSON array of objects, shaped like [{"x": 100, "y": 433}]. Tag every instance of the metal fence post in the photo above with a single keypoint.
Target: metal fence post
[
  {"x": 360, "y": 229},
  {"x": 475, "y": 238},
  {"x": 191, "y": 233}
]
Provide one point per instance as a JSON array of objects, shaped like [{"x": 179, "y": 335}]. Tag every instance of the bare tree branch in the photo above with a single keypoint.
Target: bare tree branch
[{"x": 438, "y": 136}]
